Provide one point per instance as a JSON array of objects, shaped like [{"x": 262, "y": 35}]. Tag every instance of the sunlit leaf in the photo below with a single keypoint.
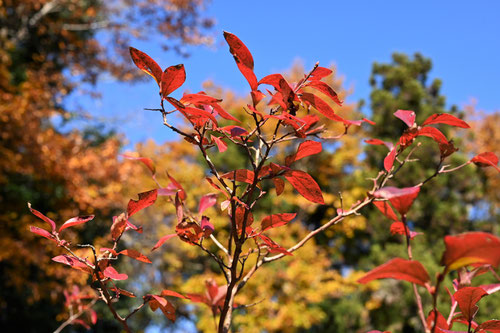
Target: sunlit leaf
[{"x": 399, "y": 269}]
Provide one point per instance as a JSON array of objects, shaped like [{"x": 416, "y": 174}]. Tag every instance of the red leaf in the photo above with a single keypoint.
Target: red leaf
[
  {"x": 157, "y": 302},
  {"x": 433, "y": 133},
  {"x": 240, "y": 175},
  {"x": 76, "y": 220},
  {"x": 467, "y": 298},
  {"x": 320, "y": 105},
  {"x": 199, "y": 99},
  {"x": 73, "y": 262},
  {"x": 384, "y": 207},
  {"x": 113, "y": 274},
  {"x": 147, "y": 162},
  {"x": 240, "y": 217},
  {"x": 273, "y": 246},
  {"x": 279, "y": 184},
  {"x": 179, "y": 209},
  {"x": 485, "y": 160},
  {"x": 306, "y": 148},
  {"x": 182, "y": 193},
  {"x": 389, "y": 159},
  {"x": 471, "y": 248},
  {"x": 146, "y": 199},
  {"x": 146, "y": 64},
  {"x": 221, "y": 145},
  {"x": 276, "y": 220},
  {"x": 189, "y": 232},
  {"x": 206, "y": 226},
  {"x": 43, "y": 217},
  {"x": 407, "y": 116},
  {"x": 388, "y": 144},
  {"x": 172, "y": 78},
  {"x": 42, "y": 232},
  {"x": 399, "y": 228},
  {"x": 93, "y": 316},
  {"x": 445, "y": 118},
  {"x": 166, "y": 292},
  {"x": 208, "y": 200},
  {"x": 134, "y": 254},
  {"x": 490, "y": 325},
  {"x": 223, "y": 113},
  {"x": 199, "y": 113},
  {"x": 162, "y": 240},
  {"x": 441, "y": 320},
  {"x": 491, "y": 288},
  {"x": 325, "y": 89},
  {"x": 400, "y": 198},
  {"x": 243, "y": 58},
  {"x": 305, "y": 185},
  {"x": 320, "y": 72},
  {"x": 399, "y": 269}
]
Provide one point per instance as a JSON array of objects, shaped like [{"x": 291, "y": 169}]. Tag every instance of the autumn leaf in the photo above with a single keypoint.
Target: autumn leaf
[
  {"x": 111, "y": 273},
  {"x": 305, "y": 185},
  {"x": 467, "y": 298},
  {"x": 441, "y": 320},
  {"x": 386, "y": 209},
  {"x": 134, "y": 254},
  {"x": 400, "y": 198},
  {"x": 399, "y": 269},
  {"x": 206, "y": 201},
  {"x": 118, "y": 226},
  {"x": 172, "y": 78},
  {"x": 240, "y": 175},
  {"x": 146, "y": 199},
  {"x": 146, "y": 64},
  {"x": 445, "y": 118},
  {"x": 320, "y": 72},
  {"x": 42, "y": 232},
  {"x": 75, "y": 221},
  {"x": 157, "y": 302},
  {"x": 74, "y": 262},
  {"x": 408, "y": 117},
  {"x": 207, "y": 226},
  {"x": 243, "y": 58},
  {"x": 485, "y": 160},
  {"x": 306, "y": 148},
  {"x": 471, "y": 248},
  {"x": 325, "y": 89},
  {"x": 389, "y": 159},
  {"x": 276, "y": 220},
  {"x": 319, "y": 105},
  {"x": 279, "y": 184},
  {"x": 43, "y": 217},
  {"x": 433, "y": 133},
  {"x": 162, "y": 240}
]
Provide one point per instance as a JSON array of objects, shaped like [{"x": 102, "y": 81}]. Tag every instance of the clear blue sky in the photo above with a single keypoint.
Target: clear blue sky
[{"x": 461, "y": 37}]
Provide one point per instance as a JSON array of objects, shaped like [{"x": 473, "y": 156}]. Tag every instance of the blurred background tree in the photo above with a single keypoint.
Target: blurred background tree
[{"x": 47, "y": 49}]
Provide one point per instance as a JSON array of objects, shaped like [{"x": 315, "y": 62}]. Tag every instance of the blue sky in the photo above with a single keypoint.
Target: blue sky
[{"x": 462, "y": 39}]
